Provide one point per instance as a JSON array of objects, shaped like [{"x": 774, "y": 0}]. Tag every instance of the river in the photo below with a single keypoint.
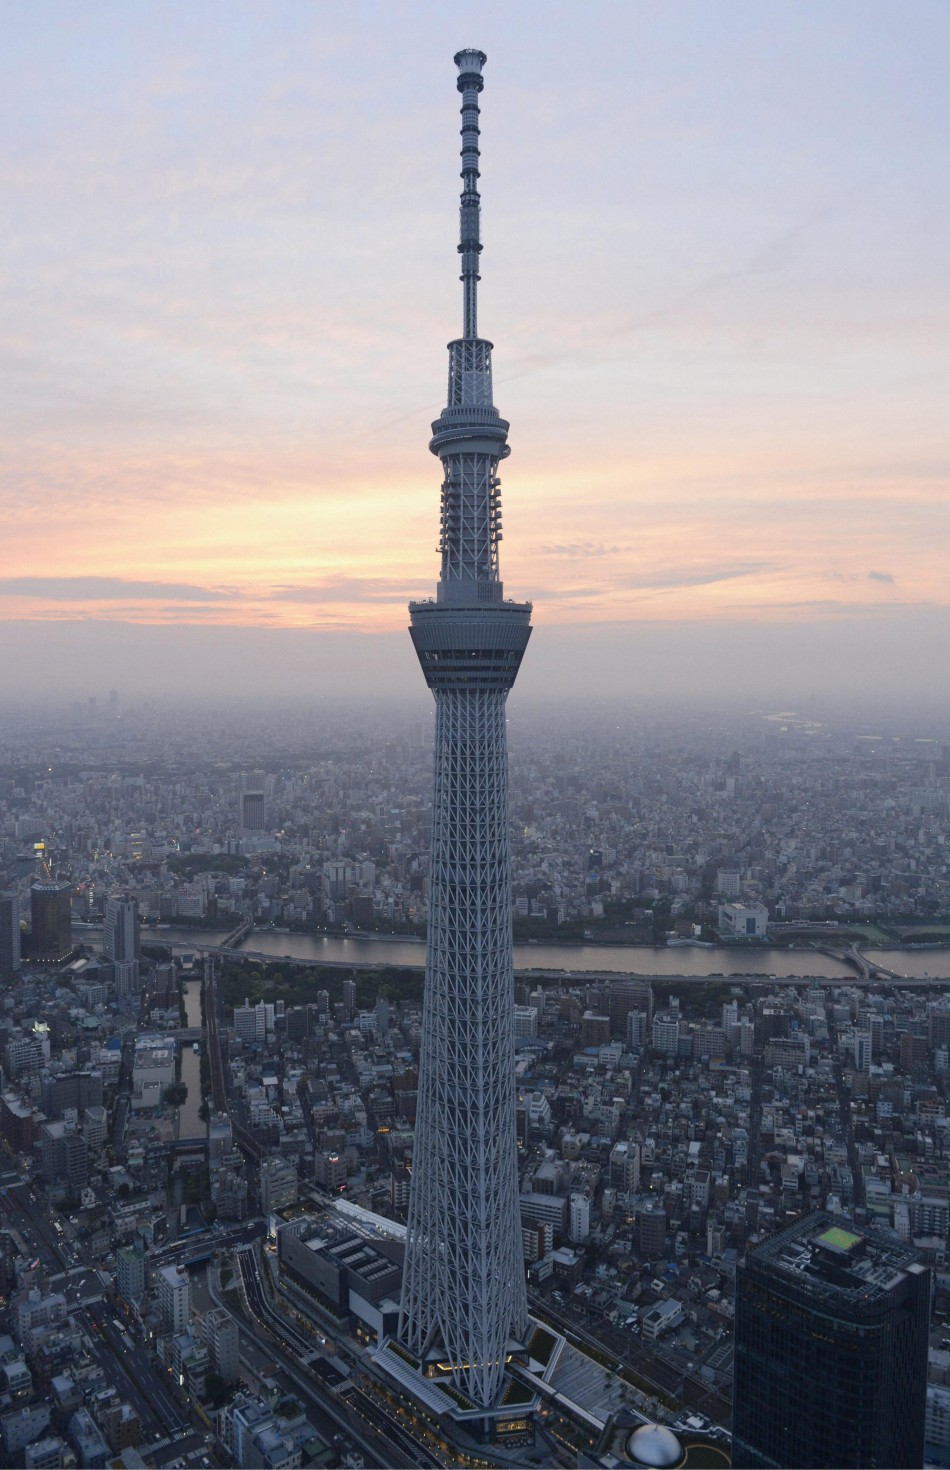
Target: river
[{"x": 574, "y": 959}]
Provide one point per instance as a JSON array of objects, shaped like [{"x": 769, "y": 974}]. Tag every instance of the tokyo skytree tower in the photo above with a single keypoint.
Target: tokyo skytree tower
[{"x": 464, "y": 1303}]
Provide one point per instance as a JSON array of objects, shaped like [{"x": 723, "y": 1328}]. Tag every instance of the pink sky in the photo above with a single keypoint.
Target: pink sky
[{"x": 714, "y": 271}]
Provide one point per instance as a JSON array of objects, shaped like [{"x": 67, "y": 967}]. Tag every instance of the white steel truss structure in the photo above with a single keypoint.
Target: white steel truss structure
[{"x": 464, "y": 1304}]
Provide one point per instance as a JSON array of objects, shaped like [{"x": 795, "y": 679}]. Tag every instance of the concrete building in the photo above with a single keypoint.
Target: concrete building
[
  {"x": 64, "y": 1157},
  {"x": 624, "y": 1166},
  {"x": 62, "y": 1090},
  {"x": 130, "y": 1271},
  {"x": 579, "y": 1228},
  {"x": 278, "y": 1184},
  {"x": 526, "y": 1023},
  {"x": 666, "y": 1034},
  {"x": 250, "y": 1022},
  {"x": 174, "y": 1298},
  {"x": 625, "y": 998},
  {"x": 222, "y": 1339},
  {"x": 743, "y": 921},
  {"x": 153, "y": 1070}
]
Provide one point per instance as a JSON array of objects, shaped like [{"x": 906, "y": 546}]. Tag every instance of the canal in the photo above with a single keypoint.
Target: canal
[{"x": 190, "y": 1123}]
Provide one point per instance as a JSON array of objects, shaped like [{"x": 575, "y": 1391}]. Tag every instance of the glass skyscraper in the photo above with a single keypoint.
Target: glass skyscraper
[{"x": 830, "y": 1349}]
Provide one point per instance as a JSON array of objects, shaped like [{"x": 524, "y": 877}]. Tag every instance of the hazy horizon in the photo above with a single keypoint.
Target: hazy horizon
[
  {"x": 715, "y": 275},
  {"x": 890, "y": 666}
]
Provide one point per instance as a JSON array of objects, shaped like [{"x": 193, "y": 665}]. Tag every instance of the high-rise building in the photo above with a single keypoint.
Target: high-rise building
[
  {"x": 222, "y": 1339},
  {"x": 863, "y": 1051},
  {"x": 464, "y": 1303},
  {"x": 174, "y": 1298},
  {"x": 130, "y": 1271},
  {"x": 121, "y": 943},
  {"x": 120, "y": 929},
  {"x": 626, "y": 996},
  {"x": 64, "y": 1157},
  {"x": 253, "y": 811},
  {"x": 830, "y": 1349},
  {"x": 250, "y": 1022},
  {"x": 278, "y": 1184},
  {"x": 9, "y": 935},
  {"x": 51, "y": 913},
  {"x": 580, "y": 1219}
]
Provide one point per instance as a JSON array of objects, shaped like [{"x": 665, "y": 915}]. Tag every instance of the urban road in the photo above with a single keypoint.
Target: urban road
[
  {"x": 125, "y": 1361},
  {"x": 347, "y": 1408}
]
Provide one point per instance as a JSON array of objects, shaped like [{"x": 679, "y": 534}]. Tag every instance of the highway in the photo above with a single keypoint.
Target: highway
[{"x": 383, "y": 1444}]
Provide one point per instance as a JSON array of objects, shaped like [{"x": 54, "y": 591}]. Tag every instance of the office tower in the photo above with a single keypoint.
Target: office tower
[
  {"x": 830, "y": 1349},
  {"x": 250, "y": 1022},
  {"x": 222, "y": 1339},
  {"x": 64, "y": 1156},
  {"x": 626, "y": 996},
  {"x": 464, "y": 1300},
  {"x": 174, "y": 1298},
  {"x": 51, "y": 913},
  {"x": 652, "y": 1231},
  {"x": 863, "y": 1050},
  {"x": 9, "y": 935},
  {"x": 579, "y": 1229},
  {"x": 278, "y": 1184},
  {"x": 253, "y": 811},
  {"x": 121, "y": 943},
  {"x": 120, "y": 929},
  {"x": 349, "y": 999},
  {"x": 637, "y": 1029},
  {"x": 62, "y": 1090},
  {"x": 130, "y": 1271}
]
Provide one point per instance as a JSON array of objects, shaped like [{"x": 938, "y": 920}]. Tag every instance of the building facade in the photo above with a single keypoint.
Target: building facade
[
  {"x": 130, "y": 1271},
  {"x": 51, "y": 914},
  {"x": 9, "y": 936},
  {"x": 830, "y": 1349},
  {"x": 174, "y": 1298}
]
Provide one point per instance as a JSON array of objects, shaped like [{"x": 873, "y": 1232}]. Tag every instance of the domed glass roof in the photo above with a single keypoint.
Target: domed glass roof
[{"x": 654, "y": 1445}]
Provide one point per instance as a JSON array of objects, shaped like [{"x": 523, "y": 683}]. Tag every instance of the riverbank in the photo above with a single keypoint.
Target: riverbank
[
  {"x": 722, "y": 962},
  {"x": 585, "y": 959}
]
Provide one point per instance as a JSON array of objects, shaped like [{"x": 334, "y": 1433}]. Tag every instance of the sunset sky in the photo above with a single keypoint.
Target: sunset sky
[{"x": 715, "y": 271}]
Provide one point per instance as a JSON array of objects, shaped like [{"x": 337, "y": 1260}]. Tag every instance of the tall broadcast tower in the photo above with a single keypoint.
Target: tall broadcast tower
[{"x": 464, "y": 1304}]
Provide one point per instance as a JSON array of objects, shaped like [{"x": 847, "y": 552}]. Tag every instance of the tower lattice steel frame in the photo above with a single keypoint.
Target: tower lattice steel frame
[{"x": 464, "y": 1299}]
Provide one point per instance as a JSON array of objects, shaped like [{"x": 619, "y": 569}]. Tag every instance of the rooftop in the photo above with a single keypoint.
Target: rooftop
[{"x": 829, "y": 1256}]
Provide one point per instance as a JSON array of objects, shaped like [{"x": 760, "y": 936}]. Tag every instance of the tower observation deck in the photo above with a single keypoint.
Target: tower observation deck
[{"x": 464, "y": 1305}]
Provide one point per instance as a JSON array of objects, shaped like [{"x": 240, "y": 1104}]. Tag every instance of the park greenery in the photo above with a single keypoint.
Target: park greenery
[{"x": 297, "y": 984}]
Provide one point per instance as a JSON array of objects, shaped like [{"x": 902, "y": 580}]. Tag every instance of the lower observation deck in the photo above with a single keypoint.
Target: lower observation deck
[{"x": 470, "y": 647}]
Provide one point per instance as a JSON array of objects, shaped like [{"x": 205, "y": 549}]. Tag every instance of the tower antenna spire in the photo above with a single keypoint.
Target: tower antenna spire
[
  {"x": 464, "y": 1309},
  {"x": 470, "y": 83}
]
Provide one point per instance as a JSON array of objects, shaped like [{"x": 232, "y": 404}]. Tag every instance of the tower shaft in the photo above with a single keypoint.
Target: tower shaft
[{"x": 464, "y": 1302}]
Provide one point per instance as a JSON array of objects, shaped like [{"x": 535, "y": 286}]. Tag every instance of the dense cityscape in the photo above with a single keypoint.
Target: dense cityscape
[
  {"x": 443, "y": 1082},
  {"x": 210, "y": 1065}
]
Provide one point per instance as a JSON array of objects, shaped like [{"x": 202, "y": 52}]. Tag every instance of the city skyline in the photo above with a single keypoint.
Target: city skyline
[{"x": 719, "y": 250}]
